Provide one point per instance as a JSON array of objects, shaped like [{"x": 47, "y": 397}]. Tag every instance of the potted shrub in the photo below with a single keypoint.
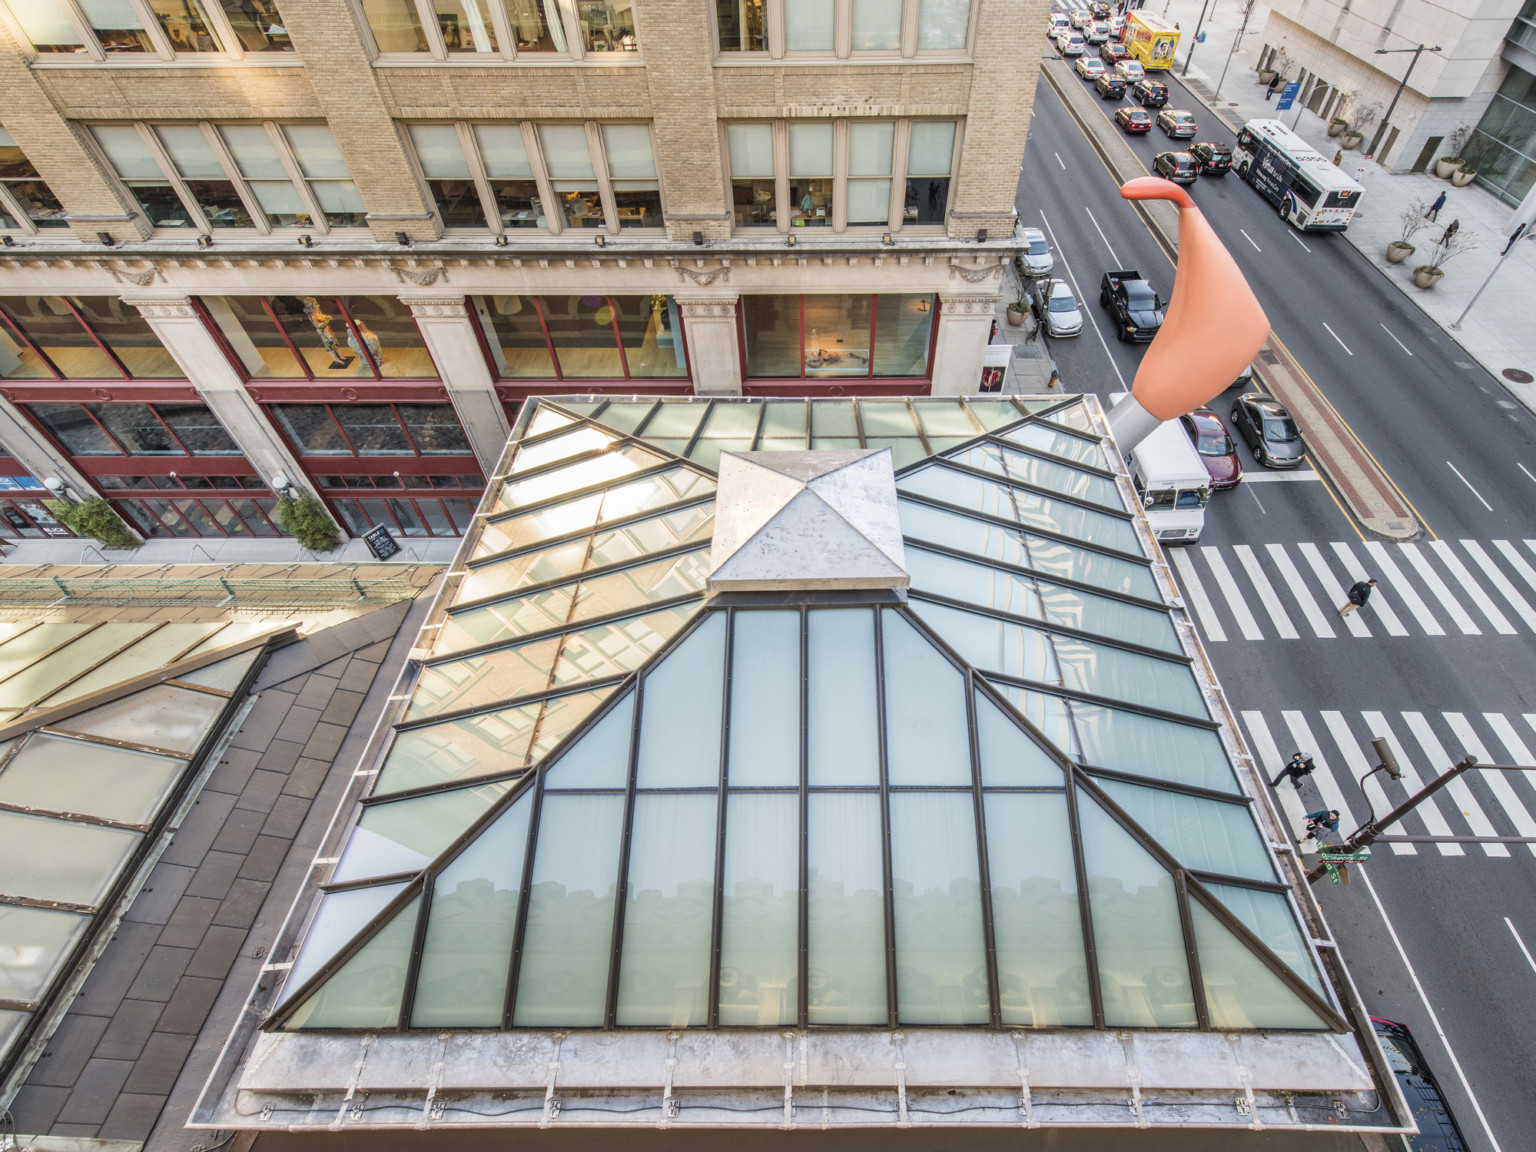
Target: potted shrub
[
  {"x": 304, "y": 518},
  {"x": 1337, "y": 125},
  {"x": 1351, "y": 138},
  {"x": 1430, "y": 273},
  {"x": 1017, "y": 310},
  {"x": 1359, "y": 125},
  {"x": 1427, "y": 275},
  {"x": 96, "y": 519},
  {"x": 1447, "y": 166},
  {"x": 1414, "y": 219},
  {"x": 1463, "y": 175}
]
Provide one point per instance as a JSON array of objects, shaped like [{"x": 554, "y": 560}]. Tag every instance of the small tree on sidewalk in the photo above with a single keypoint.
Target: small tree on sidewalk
[{"x": 1414, "y": 219}]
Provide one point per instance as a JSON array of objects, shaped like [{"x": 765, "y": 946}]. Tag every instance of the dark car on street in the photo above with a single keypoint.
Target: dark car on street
[
  {"x": 1150, "y": 93},
  {"x": 1180, "y": 167},
  {"x": 1133, "y": 119},
  {"x": 1213, "y": 158},
  {"x": 1177, "y": 123},
  {"x": 1110, "y": 87},
  {"x": 1214, "y": 443},
  {"x": 1438, "y": 1131},
  {"x": 1267, "y": 427},
  {"x": 1114, "y": 52}
]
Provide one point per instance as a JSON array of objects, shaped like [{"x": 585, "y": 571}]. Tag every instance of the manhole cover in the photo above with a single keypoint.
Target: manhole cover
[{"x": 1518, "y": 375}]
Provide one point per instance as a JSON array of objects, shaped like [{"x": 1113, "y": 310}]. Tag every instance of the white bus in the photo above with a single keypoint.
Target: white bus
[
  {"x": 1171, "y": 481},
  {"x": 1299, "y": 181}
]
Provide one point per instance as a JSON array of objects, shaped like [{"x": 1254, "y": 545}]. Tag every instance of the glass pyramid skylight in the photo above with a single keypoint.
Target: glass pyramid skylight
[{"x": 996, "y": 799}]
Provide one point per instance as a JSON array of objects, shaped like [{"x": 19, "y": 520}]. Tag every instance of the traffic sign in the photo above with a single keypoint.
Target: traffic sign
[{"x": 1288, "y": 96}]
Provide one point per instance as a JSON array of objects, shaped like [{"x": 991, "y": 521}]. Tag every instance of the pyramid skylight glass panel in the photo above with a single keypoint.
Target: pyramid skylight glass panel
[{"x": 624, "y": 795}]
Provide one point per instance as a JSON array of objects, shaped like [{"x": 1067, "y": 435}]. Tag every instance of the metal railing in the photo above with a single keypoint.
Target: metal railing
[{"x": 208, "y": 590}]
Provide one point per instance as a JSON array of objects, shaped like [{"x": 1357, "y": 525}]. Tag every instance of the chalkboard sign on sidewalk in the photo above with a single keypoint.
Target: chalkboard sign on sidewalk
[{"x": 380, "y": 542}]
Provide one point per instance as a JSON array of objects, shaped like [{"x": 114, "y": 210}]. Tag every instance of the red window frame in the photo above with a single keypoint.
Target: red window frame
[
  {"x": 21, "y": 334},
  {"x": 516, "y": 389},
  {"x": 148, "y": 397},
  {"x": 868, "y": 385},
  {"x": 307, "y": 373}
]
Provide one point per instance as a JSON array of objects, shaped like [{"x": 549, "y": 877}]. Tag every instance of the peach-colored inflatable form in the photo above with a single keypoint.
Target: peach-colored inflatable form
[{"x": 1211, "y": 331}]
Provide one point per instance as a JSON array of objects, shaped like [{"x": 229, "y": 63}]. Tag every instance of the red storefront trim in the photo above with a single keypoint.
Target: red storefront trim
[
  {"x": 361, "y": 392},
  {"x": 121, "y": 391},
  {"x": 520, "y": 391},
  {"x": 853, "y": 386}
]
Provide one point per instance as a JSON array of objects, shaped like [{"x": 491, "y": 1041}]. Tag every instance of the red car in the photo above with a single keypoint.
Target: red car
[
  {"x": 1214, "y": 443},
  {"x": 1133, "y": 119}
]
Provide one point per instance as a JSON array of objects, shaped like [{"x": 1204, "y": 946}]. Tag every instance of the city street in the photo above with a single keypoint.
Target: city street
[{"x": 1439, "y": 936}]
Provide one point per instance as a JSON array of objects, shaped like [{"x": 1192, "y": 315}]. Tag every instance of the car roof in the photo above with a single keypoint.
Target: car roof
[
  {"x": 1061, "y": 288},
  {"x": 1265, "y": 403},
  {"x": 1033, "y": 234},
  {"x": 1206, "y": 415}
]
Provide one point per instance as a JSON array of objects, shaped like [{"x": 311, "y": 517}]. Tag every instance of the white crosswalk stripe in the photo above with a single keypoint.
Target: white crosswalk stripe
[
  {"x": 1426, "y": 744},
  {"x": 1254, "y": 593}
]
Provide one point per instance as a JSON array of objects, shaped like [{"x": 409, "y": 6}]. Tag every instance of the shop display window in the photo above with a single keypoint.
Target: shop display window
[
  {"x": 819, "y": 337},
  {"x": 320, "y": 337},
  {"x": 79, "y": 338},
  {"x": 583, "y": 337}
]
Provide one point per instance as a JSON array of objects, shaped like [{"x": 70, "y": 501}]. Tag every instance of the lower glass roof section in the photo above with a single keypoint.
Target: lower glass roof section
[{"x": 1002, "y": 802}]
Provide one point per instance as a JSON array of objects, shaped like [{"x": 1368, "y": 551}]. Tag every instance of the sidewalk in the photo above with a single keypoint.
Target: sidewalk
[{"x": 1499, "y": 333}]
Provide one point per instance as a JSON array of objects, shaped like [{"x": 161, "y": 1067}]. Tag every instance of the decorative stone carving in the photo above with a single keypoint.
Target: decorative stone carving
[
  {"x": 142, "y": 278},
  {"x": 972, "y": 305},
  {"x": 723, "y": 307},
  {"x": 421, "y": 277},
  {"x": 164, "y": 308},
  {"x": 976, "y": 275},
  {"x": 702, "y": 276},
  {"x": 444, "y": 307}
]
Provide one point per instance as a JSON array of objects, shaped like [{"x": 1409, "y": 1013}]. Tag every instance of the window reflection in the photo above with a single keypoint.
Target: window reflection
[
  {"x": 136, "y": 429},
  {"x": 536, "y": 25},
  {"x": 185, "y": 24},
  {"x": 607, "y": 25},
  {"x": 258, "y": 25},
  {"x": 395, "y": 25},
  {"x": 829, "y": 336},
  {"x": 320, "y": 337},
  {"x": 598, "y": 337},
  {"x": 80, "y": 338},
  {"x": 741, "y": 25}
]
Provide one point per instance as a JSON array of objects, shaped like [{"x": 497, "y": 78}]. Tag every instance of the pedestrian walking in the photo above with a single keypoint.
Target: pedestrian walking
[
  {"x": 1359, "y": 593},
  {"x": 1450, "y": 231},
  {"x": 1274, "y": 83},
  {"x": 1322, "y": 826},
  {"x": 1434, "y": 209},
  {"x": 1338, "y": 158},
  {"x": 1297, "y": 768}
]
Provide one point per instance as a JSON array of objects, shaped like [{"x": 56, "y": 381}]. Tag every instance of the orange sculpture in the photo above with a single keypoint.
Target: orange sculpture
[{"x": 1211, "y": 331}]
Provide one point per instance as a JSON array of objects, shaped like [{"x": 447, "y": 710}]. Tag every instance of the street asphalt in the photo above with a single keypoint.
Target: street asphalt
[{"x": 1440, "y": 939}]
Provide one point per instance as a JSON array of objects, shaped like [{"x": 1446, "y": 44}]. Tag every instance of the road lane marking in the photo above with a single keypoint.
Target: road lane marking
[
  {"x": 1399, "y": 584},
  {"x": 1058, "y": 160},
  {"x": 1484, "y": 603},
  {"x": 1335, "y": 335},
  {"x": 1496, "y": 781},
  {"x": 1524, "y": 950},
  {"x": 1263, "y": 510},
  {"x": 1271, "y": 763},
  {"x": 1502, "y": 582},
  {"x": 1517, "y": 562},
  {"x": 1102, "y": 237},
  {"x": 1468, "y": 483},
  {"x": 1518, "y": 752},
  {"x": 1434, "y": 819},
  {"x": 1081, "y": 303},
  {"x": 1395, "y": 340},
  {"x": 1377, "y": 603},
  {"x": 1331, "y": 586},
  {"x": 1333, "y": 797},
  {"x": 1360, "y": 768},
  {"x": 1439, "y": 762},
  {"x": 1298, "y": 587},
  {"x": 1267, "y": 595},
  {"x": 1195, "y": 591},
  {"x": 1434, "y": 1019},
  {"x": 1298, "y": 240},
  {"x": 1249, "y": 238},
  {"x": 1524, "y": 469},
  {"x": 1280, "y": 477},
  {"x": 1452, "y": 606},
  {"x": 1234, "y": 598}
]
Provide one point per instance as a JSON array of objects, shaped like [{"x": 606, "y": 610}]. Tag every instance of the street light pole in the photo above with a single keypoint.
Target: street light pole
[
  {"x": 1392, "y": 107},
  {"x": 1241, "y": 32},
  {"x": 1508, "y": 248},
  {"x": 1195, "y": 39}
]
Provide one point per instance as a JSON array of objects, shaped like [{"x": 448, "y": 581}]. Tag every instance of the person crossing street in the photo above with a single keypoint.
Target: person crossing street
[
  {"x": 1359, "y": 593},
  {"x": 1297, "y": 768}
]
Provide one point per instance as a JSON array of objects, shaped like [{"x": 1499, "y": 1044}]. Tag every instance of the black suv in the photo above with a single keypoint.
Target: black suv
[
  {"x": 1150, "y": 93},
  {"x": 1214, "y": 159},
  {"x": 1110, "y": 87},
  {"x": 1180, "y": 167}
]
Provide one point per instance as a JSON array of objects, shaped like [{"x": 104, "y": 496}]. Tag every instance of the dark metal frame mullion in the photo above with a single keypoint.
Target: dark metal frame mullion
[
  {"x": 549, "y": 342},
  {"x": 1046, "y": 457},
  {"x": 803, "y": 916},
  {"x": 1084, "y": 904},
  {"x": 1017, "y": 526},
  {"x": 1274, "y": 886},
  {"x": 1037, "y": 490},
  {"x": 524, "y": 895},
  {"x": 1104, "y": 701},
  {"x": 858, "y": 421},
  {"x": 377, "y": 798},
  {"x": 579, "y": 493},
  {"x": 698, "y": 430},
  {"x": 988, "y": 928},
  {"x": 578, "y": 577},
  {"x": 917, "y": 423},
  {"x": 394, "y": 410},
  {"x": 32, "y": 346},
  {"x": 891, "y": 1002},
  {"x": 1191, "y": 955},
  {"x": 621, "y": 891},
  {"x": 341, "y": 431},
  {"x": 514, "y": 702},
  {"x": 716, "y": 924},
  {"x": 762, "y": 418},
  {"x": 618, "y": 340},
  {"x": 105, "y": 431},
  {"x": 645, "y": 422},
  {"x": 1237, "y": 801},
  {"x": 96, "y": 339},
  {"x": 413, "y": 960},
  {"x": 1033, "y": 573}
]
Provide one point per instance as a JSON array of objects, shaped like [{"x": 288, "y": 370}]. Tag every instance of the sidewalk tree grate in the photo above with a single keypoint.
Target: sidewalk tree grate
[{"x": 1518, "y": 375}]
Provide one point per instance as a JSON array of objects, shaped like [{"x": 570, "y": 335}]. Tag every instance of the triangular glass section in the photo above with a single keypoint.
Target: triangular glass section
[
  {"x": 466, "y": 954},
  {"x": 226, "y": 675},
  {"x": 1009, "y": 758},
  {"x": 406, "y": 835},
  {"x": 1268, "y": 916},
  {"x": 340, "y": 917},
  {"x": 1241, "y": 991},
  {"x": 1137, "y": 935},
  {"x": 546, "y": 419},
  {"x": 367, "y": 990},
  {"x": 925, "y": 725},
  {"x": 575, "y": 442},
  {"x": 600, "y": 758},
  {"x": 1203, "y": 835}
]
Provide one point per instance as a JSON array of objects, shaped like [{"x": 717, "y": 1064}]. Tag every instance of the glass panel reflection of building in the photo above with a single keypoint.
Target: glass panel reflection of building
[{"x": 1503, "y": 147}]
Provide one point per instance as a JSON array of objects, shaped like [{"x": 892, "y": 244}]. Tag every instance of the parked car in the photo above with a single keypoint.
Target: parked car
[
  {"x": 1056, "y": 307},
  {"x": 1247, "y": 380},
  {"x": 1438, "y": 1130},
  {"x": 1214, "y": 443},
  {"x": 1110, "y": 87},
  {"x": 1132, "y": 70},
  {"x": 1180, "y": 167},
  {"x": 1177, "y": 123},
  {"x": 1097, "y": 32},
  {"x": 1214, "y": 159},
  {"x": 1132, "y": 303},
  {"x": 1036, "y": 258},
  {"x": 1133, "y": 119},
  {"x": 1069, "y": 43},
  {"x": 1149, "y": 93},
  {"x": 1089, "y": 67},
  {"x": 1117, "y": 26},
  {"x": 1112, "y": 54},
  {"x": 1055, "y": 23},
  {"x": 1100, "y": 9},
  {"x": 1268, "y": 429},
  {"x": 1080, "y": 17}
]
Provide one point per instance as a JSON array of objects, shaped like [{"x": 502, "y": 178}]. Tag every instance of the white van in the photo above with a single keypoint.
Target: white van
[
  {"x": 1172, "y": 482},
  {"x": 1058, "y": 23}
]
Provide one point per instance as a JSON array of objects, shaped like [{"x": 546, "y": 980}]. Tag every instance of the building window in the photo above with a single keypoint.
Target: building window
[
  {"x": 320, "y": 337},
  {"x": 793, "y": 28},
  {"x": 838, "y": 174},
  {"x": 26, "y": 203},
  {"x": 79, "y": 338},
  {"x": 1503, "y": 148},
  {"x": 259, "y": 176},
  {"x": 101, "y": 29},
  {"x": 502, "y": 176},
  {"x": 583, "y": 337},
  {"x": 484, "y": 30},
  {"x": 178, "y": 505},
  {"x": 819, "y": 337},
  {"x": 372, "y": 429},
  {"x": 127, "y": 429}
]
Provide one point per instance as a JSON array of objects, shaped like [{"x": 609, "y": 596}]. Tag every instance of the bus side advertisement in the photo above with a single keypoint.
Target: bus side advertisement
[{"x": 1272, "y": 173}]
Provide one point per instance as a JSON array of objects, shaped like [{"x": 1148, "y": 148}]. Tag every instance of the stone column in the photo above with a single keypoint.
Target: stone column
[
  {"x": 177, "y": 326},
  {"x": 36, "y": 453},
  {"x": 965, "y": 326},
  {"x": 449, "y": 331},
  {"x": 714, "y": 348}
]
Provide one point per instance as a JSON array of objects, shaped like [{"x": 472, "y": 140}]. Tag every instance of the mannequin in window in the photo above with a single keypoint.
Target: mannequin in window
[{"x": 370, "y": 341}]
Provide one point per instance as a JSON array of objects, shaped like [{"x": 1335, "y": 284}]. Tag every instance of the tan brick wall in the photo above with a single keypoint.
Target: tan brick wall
[
  {"x": 278, "y": 93},
  {"x": 56, "y": 150}
]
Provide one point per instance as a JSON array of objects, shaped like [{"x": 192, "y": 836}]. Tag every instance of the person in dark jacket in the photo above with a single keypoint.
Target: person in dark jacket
[
  {"x": 1322, "y": 825},
  {"x": 1434, "y": 209},
  {"x": 1359, "y": 593},
  {"x": 1296, "y": 768},
  {"x": 1274, "y": 82},
  {"x": 1450, "y": 231}
]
